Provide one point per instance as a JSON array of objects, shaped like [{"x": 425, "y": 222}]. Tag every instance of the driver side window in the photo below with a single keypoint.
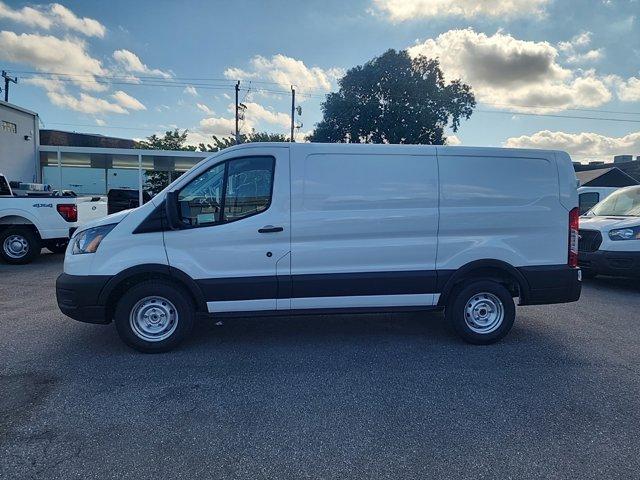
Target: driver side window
[{"x": 228, "y": 191}]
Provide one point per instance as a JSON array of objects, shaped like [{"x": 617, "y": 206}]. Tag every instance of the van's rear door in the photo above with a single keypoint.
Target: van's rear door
[{"x": 239, "y": 239}]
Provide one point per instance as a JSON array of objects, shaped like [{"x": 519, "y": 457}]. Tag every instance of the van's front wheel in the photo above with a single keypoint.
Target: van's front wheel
[
  {"x": 154, "y": 316},
  {"x": 482, "y": 312}
]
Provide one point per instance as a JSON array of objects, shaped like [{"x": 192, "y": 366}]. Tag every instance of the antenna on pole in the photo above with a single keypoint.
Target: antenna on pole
[
  {"x": 237, "y": 128},
  {"x": 7, "y": 79},
  {"x": 293, "y": 111}
]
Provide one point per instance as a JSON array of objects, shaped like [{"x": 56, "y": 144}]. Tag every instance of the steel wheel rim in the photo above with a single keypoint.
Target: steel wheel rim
[
  {"x": 484, "y": 313},
  {"x": 15, "y": 246},
  {"x": 153, "y": 319}
]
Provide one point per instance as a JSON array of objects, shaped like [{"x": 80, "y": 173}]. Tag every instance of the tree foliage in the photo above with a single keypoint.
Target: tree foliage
[
  {"x": 175, "y": 140},
  {"x": 394, "y": 98},
  {"x": 220, "y": 143},
  {"x": 157, "y": 180}
]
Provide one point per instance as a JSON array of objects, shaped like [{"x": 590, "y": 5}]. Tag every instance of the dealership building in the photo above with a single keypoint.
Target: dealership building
[{"x": 87, "y": 164}]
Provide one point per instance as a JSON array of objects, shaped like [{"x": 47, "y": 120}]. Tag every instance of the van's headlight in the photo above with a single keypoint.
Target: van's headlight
[
  {"x": 631, "y": 233},
  {"x": 88, "y": 241}
]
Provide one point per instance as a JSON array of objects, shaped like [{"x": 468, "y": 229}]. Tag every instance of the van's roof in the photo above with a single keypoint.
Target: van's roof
[{"x": 441, "y": 149}]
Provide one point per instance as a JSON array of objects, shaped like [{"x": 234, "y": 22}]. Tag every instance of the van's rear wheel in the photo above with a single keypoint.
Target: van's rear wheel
[
  {"x": 19, "y": 245},
  {"x": 481, "y": 312},
  {"x": 154, "y": 316}
]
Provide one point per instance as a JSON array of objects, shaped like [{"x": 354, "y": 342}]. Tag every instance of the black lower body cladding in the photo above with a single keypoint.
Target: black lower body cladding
[
  {"x": 551, "y": 284},
  {"x": 623, "y": 264},
  {"x": 83, "y": 297},
  {"x": 78, "y": 297}
]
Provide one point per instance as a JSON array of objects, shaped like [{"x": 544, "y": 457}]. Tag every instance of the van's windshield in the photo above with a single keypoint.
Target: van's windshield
[{"x": 623, "y": 203}]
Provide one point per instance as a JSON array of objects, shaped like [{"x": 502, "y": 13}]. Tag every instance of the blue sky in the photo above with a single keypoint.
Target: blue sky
[{"x": 136, "y": 68}]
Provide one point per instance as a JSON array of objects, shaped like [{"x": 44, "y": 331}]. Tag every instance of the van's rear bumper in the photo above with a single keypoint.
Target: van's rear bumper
[
  {"x": 78, "y": 296},
  {"x": 623, "y": 264},
  {"x": 551, "y": 284}
]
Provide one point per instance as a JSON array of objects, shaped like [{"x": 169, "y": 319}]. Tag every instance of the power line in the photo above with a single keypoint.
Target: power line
[
  {"x": 569, "y": 109},
  {"x": 181, "y": 82},
  {"x": 189, "y": 80},
  {"x": 576, "y": 117},
  {"x": 90, "y": 125}
]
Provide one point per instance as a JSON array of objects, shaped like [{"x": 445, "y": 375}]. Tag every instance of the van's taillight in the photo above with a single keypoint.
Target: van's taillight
[
  {"x": 68, "y": 211},
  {"x": 574, "y": 216}
]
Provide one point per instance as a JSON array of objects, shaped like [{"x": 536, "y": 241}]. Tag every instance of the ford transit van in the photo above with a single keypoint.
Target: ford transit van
[
  {"x": 264, "y": 228},
  {"x": 609, "y": 236}
]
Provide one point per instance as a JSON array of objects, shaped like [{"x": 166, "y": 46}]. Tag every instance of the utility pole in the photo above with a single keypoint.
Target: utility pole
[
  {"x": 7, "y": 79},
  {"x": 293, "y": 111},
  {"x": 237, "y": 129}
]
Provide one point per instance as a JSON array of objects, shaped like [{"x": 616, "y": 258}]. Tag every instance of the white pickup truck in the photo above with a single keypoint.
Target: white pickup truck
[{"x": 29, "y": 222}]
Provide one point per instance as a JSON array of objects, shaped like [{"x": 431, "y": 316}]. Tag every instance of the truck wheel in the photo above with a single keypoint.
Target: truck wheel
[
  {"x": 19, "y": 245},
  {"x": 154, "y": 316},
  {"x": 57, "y": 247},
  {"x": 481, "y": 312}
]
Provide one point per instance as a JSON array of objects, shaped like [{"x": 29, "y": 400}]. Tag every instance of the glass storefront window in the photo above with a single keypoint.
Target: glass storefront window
[{"x": 94, "y": 172}]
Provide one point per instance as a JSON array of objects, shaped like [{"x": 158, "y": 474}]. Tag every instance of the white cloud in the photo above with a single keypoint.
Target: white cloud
[
  {"x": 287, "y": 71},
  {"x": 50, "y": 54},
  {"x": 255, "y": 116},
  {"x": 629, "y": 90},
  {"x": 53, "y": 15},
  {"x": 257, "y": 113},
  {"x": 453, "y": 140},
  {"x": 26, "y": 15},
  {"x": 127, "y": 101},
  {"x": 204, "y": 108},
  {"x": 220, "y": 126},
  {"x": 512, "y": 73},
  {"x": 190, "y": 90},
  {"x": 403, "y": 10},
  {"x": 573, "y": 49},
  {"x": 87, "y": 26},
  {"x": 584, "y": 145},
  {"x": 85, "y": 103},
  {"x": 131, "y": 63},
  {"x": 100, "y": 122}
]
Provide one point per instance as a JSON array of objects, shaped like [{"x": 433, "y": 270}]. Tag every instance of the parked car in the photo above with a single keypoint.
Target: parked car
[
  {"x": 119, "y": 199},
  {"x": 262, "y": 229},
  {"x": 35, "y": 217},
  {"x": 589, "y": 197},
  {"x": 609, "y": 241}
]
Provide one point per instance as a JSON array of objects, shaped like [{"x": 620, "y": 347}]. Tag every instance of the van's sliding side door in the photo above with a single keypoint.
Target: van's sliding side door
[{"x": 365, "y": 225}]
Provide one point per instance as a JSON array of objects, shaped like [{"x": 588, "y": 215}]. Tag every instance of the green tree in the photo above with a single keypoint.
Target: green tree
[
  {"x": 394, "y": 98},
  {"x": 220, "y": 143},
  {"x": 176, "y": 140},
  {"x": 172, "y": 140}
]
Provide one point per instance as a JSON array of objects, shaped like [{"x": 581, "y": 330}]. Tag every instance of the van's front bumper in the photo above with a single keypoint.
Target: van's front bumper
[
  {"x": 78, "y": 297},
  {"x": 615, "y": 263}
]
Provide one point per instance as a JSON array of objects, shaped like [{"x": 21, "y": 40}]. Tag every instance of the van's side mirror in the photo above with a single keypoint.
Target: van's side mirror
[{"x": 172, "y": 211}]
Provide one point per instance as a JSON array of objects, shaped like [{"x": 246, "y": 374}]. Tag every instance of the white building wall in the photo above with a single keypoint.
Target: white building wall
[{"x": 19, "y": 149}]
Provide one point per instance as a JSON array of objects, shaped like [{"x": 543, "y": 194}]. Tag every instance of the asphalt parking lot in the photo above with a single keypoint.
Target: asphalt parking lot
[{"x": 373, "y": 396}]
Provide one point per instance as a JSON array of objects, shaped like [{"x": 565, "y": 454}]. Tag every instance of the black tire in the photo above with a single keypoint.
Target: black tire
[
  {"x": 57, "y": 246},
  {"x": 472, "y": 292},
  {"x": 23, "y": 235},
  {"x": 588, "y": 274},
  {"x": 173, "y": 295}
]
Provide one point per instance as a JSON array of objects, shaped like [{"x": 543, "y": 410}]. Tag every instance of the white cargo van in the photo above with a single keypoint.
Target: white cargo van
[
  {"x": 609, "y": 241},
  {"x": 589, "y": 197},
  {"x": 305, "y": 228}
]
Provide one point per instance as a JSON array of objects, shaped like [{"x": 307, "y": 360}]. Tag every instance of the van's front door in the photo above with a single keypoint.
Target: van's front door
[{"x": 235, "y": 235}]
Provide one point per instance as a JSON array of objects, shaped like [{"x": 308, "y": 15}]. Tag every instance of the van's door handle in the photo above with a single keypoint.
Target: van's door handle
[{"x": 270, "y": 229}]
